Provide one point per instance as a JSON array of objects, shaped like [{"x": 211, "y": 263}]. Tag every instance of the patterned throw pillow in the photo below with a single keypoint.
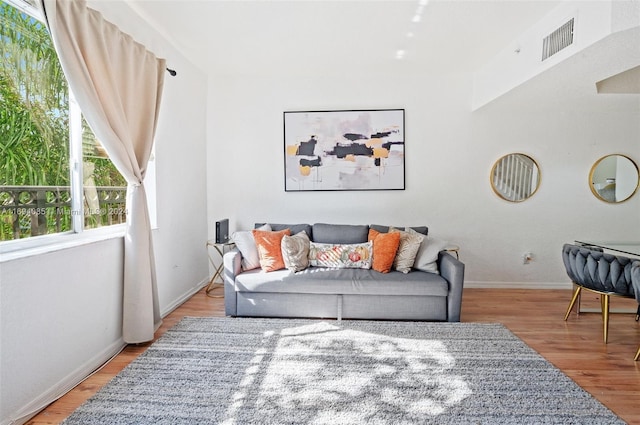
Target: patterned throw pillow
[
  {"x": 341, "y": 256},
  {"x": 269, "y": 248},
  {"x": 407, "y": 250},
  {"x": 385, "y": 246},
  {"x": 295, "y": 251}
]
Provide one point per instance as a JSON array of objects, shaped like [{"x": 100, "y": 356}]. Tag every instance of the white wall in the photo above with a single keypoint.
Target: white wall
[
  {"x": 449, "y": 153},
  {"x": 60, "y": 313},
  {"x": 180, "y": 239}
]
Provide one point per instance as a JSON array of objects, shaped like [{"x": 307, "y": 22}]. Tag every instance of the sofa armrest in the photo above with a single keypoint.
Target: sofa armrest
[
  {"x": 452, "y": 270},
  {"x": 232, "y": 262}
]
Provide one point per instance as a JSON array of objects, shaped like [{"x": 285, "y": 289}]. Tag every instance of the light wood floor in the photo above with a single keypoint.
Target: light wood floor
[{"x": 608, "y": 371}]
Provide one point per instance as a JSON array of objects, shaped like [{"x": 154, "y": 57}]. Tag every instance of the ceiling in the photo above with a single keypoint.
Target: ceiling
[{"x": 334, "y": 37}]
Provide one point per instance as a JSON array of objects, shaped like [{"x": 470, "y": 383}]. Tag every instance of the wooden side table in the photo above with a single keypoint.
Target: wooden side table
[{"x": 216, "y": 252}]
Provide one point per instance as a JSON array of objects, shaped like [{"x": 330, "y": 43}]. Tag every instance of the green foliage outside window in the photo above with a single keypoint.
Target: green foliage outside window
[{"x": 34, "y": 119}]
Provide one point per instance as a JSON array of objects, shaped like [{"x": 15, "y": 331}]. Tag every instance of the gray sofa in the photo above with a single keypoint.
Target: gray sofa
[{"x": 319, "y": 292}]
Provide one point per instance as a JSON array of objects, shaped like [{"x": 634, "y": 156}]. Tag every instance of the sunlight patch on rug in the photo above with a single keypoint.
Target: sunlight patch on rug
[{"x": 372, "y": 369}]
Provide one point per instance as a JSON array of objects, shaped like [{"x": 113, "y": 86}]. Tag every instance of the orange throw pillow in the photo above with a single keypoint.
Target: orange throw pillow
[
  {"x": 269, "y": 251},
  {"x": 385, "y": 247}
]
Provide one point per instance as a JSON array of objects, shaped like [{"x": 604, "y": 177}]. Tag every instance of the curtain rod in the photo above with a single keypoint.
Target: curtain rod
[{"x": 172, "y": 72}]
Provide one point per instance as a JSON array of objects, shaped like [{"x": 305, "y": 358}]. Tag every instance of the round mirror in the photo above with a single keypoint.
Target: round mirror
[
  {"x": 614, "y": 178},
  {"x": 515, "y": 177}
]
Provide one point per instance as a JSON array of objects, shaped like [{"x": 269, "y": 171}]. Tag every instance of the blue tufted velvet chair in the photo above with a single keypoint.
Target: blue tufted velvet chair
[
  {"x": 635, "y": 282},
  {"x": 595, "y": 271}
]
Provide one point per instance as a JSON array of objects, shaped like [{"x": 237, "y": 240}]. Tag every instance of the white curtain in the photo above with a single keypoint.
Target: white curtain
[{"x": 118, "y": 85}]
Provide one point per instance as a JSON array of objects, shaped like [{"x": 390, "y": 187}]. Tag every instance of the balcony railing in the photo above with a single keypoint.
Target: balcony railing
[{"x": 39, "y": 210}]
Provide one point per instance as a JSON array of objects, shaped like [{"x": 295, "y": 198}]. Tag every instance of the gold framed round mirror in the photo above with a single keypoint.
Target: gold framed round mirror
[
  {"x": 614, "y": 178},
  {"x": 515, "y": 177}
]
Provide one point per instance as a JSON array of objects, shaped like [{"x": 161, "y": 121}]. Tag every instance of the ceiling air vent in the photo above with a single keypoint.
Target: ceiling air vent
[{"x": 557, "y": 40}]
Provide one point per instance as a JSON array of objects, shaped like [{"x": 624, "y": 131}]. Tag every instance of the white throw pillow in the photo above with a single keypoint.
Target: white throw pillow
[
  {"x": 427, "y": 257},
  {"x": 247, "y": 245}
]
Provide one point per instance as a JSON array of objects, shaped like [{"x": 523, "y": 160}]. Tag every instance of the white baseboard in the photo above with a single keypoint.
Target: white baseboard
[
  {"x": 518, "y": 285},
  {"x": 64, "y": 386},
  {"x": 184, "y": 297}
]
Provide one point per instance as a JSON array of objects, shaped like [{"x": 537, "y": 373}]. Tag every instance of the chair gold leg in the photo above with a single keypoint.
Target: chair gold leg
[
  {"x": 637, "y": 355},
  {"x": 604, "y": 299},
  {"x": 573, "y": 301}
]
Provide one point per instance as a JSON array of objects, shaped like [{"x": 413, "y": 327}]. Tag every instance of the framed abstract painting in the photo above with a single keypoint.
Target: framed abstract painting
[{"x": 344, "y": 150}]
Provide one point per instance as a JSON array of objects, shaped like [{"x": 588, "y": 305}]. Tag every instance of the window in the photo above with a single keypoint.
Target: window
[{"x": 55, "y": 176}]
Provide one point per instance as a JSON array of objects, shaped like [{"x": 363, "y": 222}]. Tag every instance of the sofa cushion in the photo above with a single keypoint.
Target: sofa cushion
[
  {"x": 341, "y": 256},
  {"x": 270, "y": 248},
  {"x": 384, "y": 229},
  {"x": 295, "y": 228},
  {"x": 295, "y": 251},
  {"x": 319, "y": 280},
  {"x": 339, "y": 233}
]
